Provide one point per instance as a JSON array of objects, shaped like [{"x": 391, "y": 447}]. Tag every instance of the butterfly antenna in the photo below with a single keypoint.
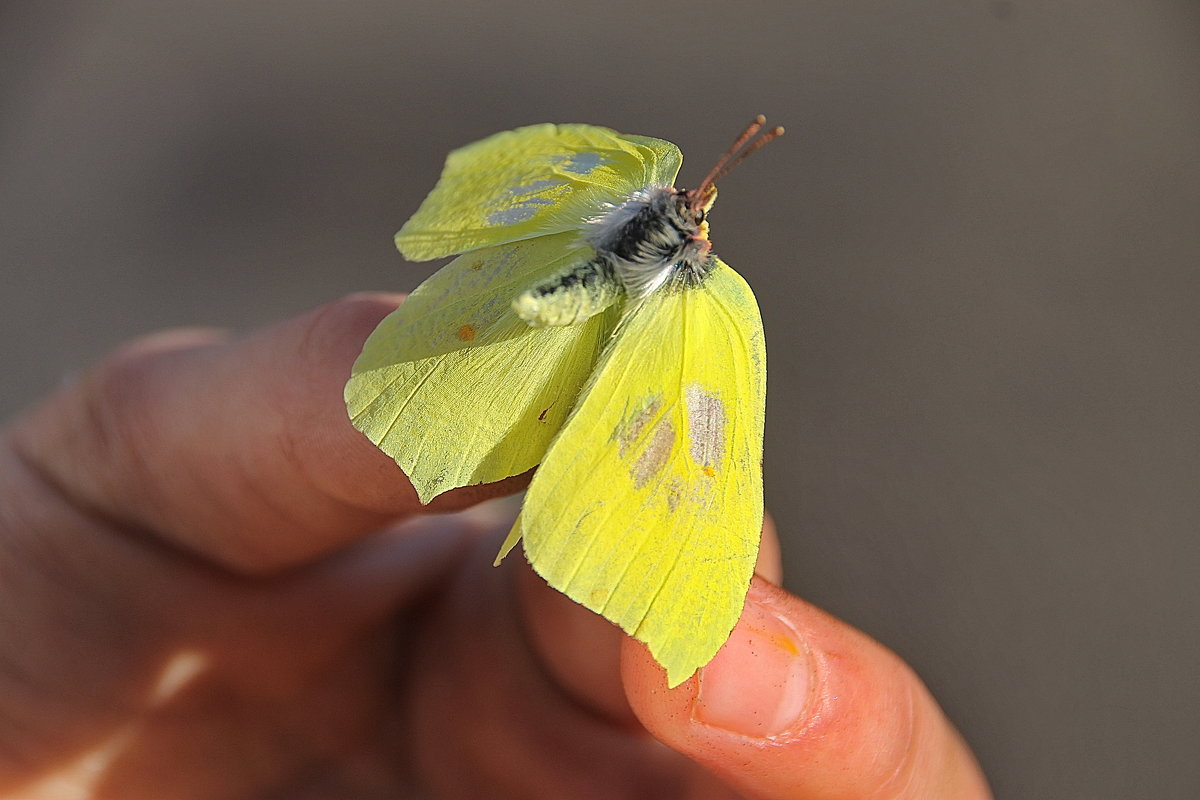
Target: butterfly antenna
[
  {"x": 758, "y": 144},
  {"x": 727, "y": 161}
]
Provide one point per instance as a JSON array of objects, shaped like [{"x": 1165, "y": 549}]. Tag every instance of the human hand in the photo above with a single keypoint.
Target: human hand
[{"x": 208, "y": 590}]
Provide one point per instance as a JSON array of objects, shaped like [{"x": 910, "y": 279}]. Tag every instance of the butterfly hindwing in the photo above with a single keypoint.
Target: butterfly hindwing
[
  {"x": 648, "y": 506},
  {"x": 529, "y": 182},
  {"x": 459, "y": 390}
]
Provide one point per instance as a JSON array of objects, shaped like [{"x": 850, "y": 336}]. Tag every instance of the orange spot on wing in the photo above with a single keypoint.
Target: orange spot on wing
[
  {"x": 466, "y": 333},
  {"x": 709, "y": 471}
]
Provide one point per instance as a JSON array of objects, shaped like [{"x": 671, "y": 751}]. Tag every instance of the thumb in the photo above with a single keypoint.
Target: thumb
[{"x": 800, "y": 705}]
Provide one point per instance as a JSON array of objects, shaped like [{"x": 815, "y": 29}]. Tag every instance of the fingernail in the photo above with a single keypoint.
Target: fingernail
[{"x": 760, "y": 682}]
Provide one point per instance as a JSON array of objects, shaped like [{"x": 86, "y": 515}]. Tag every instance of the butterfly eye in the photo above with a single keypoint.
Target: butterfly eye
[{"x": 701, "y": 216}]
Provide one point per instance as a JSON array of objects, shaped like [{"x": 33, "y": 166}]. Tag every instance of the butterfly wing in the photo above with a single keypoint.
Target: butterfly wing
[
  {"x": 648, "y": 506},
  {"x": 530, "y": 182},
  {"x": 458, "y": 389}
]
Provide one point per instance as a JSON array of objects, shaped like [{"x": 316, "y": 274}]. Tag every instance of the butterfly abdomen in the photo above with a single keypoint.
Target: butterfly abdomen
[{"x": 572, "y": 295}]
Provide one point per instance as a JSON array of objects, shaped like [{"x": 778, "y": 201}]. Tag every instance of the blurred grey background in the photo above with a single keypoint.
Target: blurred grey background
[{"x": 976, "y": 252}]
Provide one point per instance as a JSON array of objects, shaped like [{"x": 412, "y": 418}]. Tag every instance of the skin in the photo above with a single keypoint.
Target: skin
[{"x": 212, "y": 587}]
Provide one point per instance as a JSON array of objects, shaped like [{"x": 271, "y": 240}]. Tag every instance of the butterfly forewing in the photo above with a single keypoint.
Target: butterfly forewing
[{"x": 530, "y": 182}]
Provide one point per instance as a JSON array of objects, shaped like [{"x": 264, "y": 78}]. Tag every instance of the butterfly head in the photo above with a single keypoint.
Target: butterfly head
[{"x": 693, "y": 206}]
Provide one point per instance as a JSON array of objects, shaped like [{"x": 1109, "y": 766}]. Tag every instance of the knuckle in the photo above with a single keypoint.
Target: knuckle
[
  {"x": 120, "y": 407},
  {"x": 349, "y": 314}
]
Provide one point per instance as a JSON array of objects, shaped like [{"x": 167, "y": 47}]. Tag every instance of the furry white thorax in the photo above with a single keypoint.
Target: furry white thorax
[{"x": 650, "y": 239}]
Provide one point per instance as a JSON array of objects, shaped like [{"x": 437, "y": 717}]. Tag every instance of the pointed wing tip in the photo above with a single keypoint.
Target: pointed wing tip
[
  {"x": 674, "y": 681},
  {"x": 410, "y": 250},
  {"x": 510, "y": 541},
  {"x": 420, "y": 248},
  {"x": 426, "y": 493}
]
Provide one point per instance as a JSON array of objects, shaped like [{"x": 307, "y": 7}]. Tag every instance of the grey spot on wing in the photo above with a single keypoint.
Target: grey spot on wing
[
  {"x": 583, "y": 163},
  {"x": 706, "y": 426},
  {"x": 654, "y": 457},
  {"x": 534, "y": 186},
  {"x": 524, "y": 206},
  {"x": 511, "y": 215},
  {"x": 630, "y": 429}
]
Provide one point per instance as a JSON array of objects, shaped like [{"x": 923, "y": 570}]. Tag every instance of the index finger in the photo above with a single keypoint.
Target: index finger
[{"x": 239, "y": 450}]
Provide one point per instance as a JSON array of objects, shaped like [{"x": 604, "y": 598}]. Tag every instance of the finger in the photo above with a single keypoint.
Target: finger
[
  {"x": 487, "y": 719},
  {"x": 499, "y": 684},
  {"x": 238, "y": 450},
  {"x": 800, "y": 705}
]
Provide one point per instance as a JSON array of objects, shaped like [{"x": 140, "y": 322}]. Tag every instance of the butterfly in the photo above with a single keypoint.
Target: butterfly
[{"x": 587, "y": 329}]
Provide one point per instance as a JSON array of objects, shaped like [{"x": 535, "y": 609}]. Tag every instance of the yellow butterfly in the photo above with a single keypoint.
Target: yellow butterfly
[{"x": 586, "y": 327}]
